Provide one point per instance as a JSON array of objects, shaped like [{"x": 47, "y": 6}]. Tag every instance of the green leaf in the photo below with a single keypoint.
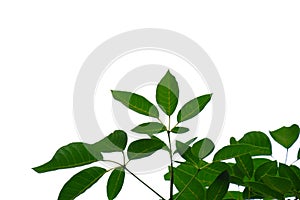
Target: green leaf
[
  {"x": 286, "y": 136},
  {"x": 235, "y": 195},
  {"x": 298, "y": 157},
  {"x": 115, "y": 183},
  {"x": 143, "y": 148},
  {"x": 136, "y": 103},
  {"x": 71, "y": 155},
  {"x": 219, "y": 187},
  {"x": 193, "y": 108},
  {"x": 114, "y": 142},
  {"x": 279, "y": 184},
  {"x": 236, "y": 175},
  {"x": 268, "y": 168},
  {"x": 80, "y": 182},
  {"x": 179, "y": 130},
  {"x": 286, "y": 172},
  {"x": 186, "y": 152},
  {"x": 167, "y": 93},
  {"x": 186, "y": 144},
  {"x": 150, "y": 128},
  {"x": 253, "y": 143},
  {"x": 245, "y": 164},
  {"x": 265, "y": 190},
  {"x": 203, "y": 148}
]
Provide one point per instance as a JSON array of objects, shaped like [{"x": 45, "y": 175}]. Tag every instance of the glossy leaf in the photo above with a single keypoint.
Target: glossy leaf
[
  {"x": 268, "y": 168},
  {"x": 179, "y": 130},
  {"x": 193, "y": 108},
  {"x": 143, "y": 148},
  {"x": 136, "y": 103},
  {"x": 167, "y": 93},
  {"x": 80, "y": 182},
  {"x": 265, "y": 190},
  {"x": 279, "y": 184},
  {"x": 286, "y": 172},
  {"x": 115, "y": 183},
  {"x": 218, "y": 189},
  {"x": 203, "y": 148},
  {"x": 245, "y": 164},
  {"x": 72, "y": 155},
  {"x": 150, "y": 128},
  {"x": 286, "y": 136},
  {"x": 114, "y": 142}
]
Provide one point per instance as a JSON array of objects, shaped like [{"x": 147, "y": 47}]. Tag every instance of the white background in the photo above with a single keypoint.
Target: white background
[{"x": 254, "y": 44}]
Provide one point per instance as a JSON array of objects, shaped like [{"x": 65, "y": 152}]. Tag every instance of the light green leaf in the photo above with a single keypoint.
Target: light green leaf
[
  {"x": 193, "y": 108},
  {"x": 167, "y": 93},
  {"x": 219, "y": 187},
  {"x": 72, "y": 155},
  {"x": 80, "y": 182},
  {"x": 286, "y": 172},
  {"x": 114, "y": 142},
  {"x": 264, "y": 190},
  {"x": 179, "y": 130},
  {"x": 282, "y": 185},
  {"x": 115, "y": 183},
  {"x": 183, "y": 145},
  {"x": 286, "y": 136},
  {"x": 203, "y": 148},
  {"x": 136, "y": 103},
  {"x": 150, "y": 128},
  {"x": 268, "y": 168},
  {"x": 143, "y": 148}
]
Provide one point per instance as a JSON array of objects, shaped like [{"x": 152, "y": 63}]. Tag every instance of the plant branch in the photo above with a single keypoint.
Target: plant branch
[
  {"x": 143, "y": 182},
  {"x": 186, "y": 186}
]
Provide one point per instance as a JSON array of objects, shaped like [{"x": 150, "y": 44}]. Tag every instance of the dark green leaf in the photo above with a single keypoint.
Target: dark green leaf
[
  {"x": 210, "y": 172},
  {"x": 203, "y": 148},
  {"x": 115, "y": 183},
  {"x": 245, "y": 164},
  {"x": 279, "y": 184},
  {"x": 72, "y": 155},
  {"x": 136, "y": 103},
  {"x": 287, "y": 172},
  {"x": 165, "y": 147},
  {"x": 219, "y": 187},
  {"x": 193, "y": 108},
  {"x": 150, "y": 128},
  {"x": 259, "y": 161},
  {"x": 80, "y": 182},
  {"x": 167, "y": 93},
  {"x": 234, "y": 195},
  {"x": 179, "y": 130},
  {"x": 114, "y": 142},
  {"x": 268, "y": 168},
  {"x": 257, "y": 139},
  {"x": 186, "y": 152},
  {"x": 143, "y": 148},
  {"x": 286, "y": 136},
  {"x": 265, "y": 190},
  {"x": 298, "y": 157},
  {"x": 296, "y": 170},
  {"x": 236, "y": 175}
]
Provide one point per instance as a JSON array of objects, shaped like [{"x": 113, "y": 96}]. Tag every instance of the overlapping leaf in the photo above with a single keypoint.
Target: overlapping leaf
[
  {"x": 286, "y": 172},
  {"x": 179, "y": 130},
  {"x": 114, "y": 142},
  {"x": 218, "y": 189},
  {"x": 268, "y": 168},
  {"x": 150, "y": 128},
  {"x": 203, "y": 148}
]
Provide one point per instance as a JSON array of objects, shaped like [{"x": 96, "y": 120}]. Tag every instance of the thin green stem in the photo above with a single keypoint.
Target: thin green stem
[
  {"x": 186, "y": 186},
  {"x": 143, "y": 182},
  {"x": 171, "y": 169},
  {"x": 286, "y": 155}
]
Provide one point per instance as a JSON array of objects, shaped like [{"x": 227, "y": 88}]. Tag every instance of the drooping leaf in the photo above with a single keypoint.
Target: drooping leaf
[
  {"x": 282, "y": 185},
  {"x": 203, "y": 148},
  {"x": 80, "y": 182},
  {"x": 219, "y": 187},
  {"x": 268, "y": 168},
  {"x": 245, "y": 164},
  {"x": 286, "y": 136},
  {"x": 233, "y": 195},
  {"x": 287, "y": 172},
  {"x": 143, "y": 148},
  {"x": 72, "y": 155},
  {"x": 167, "y": 93},
  {"x": 114, "y": 142},
  {"x": 193, "y": 108},
  {"x": 150, "y": 128},
  {"x": 264, "y": 189},
  {"x": 179, "y": 130},
  {"x": 136, "y": 103},
  {"x": 115, "y": 183}
]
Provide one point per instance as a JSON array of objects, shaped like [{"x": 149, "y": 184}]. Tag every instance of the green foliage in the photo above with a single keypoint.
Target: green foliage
[{"x": 193, "y": 177}]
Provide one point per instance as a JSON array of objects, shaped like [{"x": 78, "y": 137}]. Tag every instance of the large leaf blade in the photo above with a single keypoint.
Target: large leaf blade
[
  {"x": 143, "y": 148},
  {"x": 203, "y": 148},
  {"x": 268, "y": 168},
  {"x": 80, "y": 182},
  {"x": 286, "y": 172},
  {"x": 72, "y": 155},
  {"x": 245, "y": 164},
  {"x": 115, "y": 183},
  {"x": 264, "y": 189},
  {"x": 136, "y": 103},
  {"x": 193, "y": 108},
  {"x": 150, "y": 128},
  {"x": 279, "y": 184},
  {"x": 114, "y": 142},
  {"x": 167, "y": 93},
  {"x": 218, "y": 189},
  {"x": 286, "y": 136}
]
